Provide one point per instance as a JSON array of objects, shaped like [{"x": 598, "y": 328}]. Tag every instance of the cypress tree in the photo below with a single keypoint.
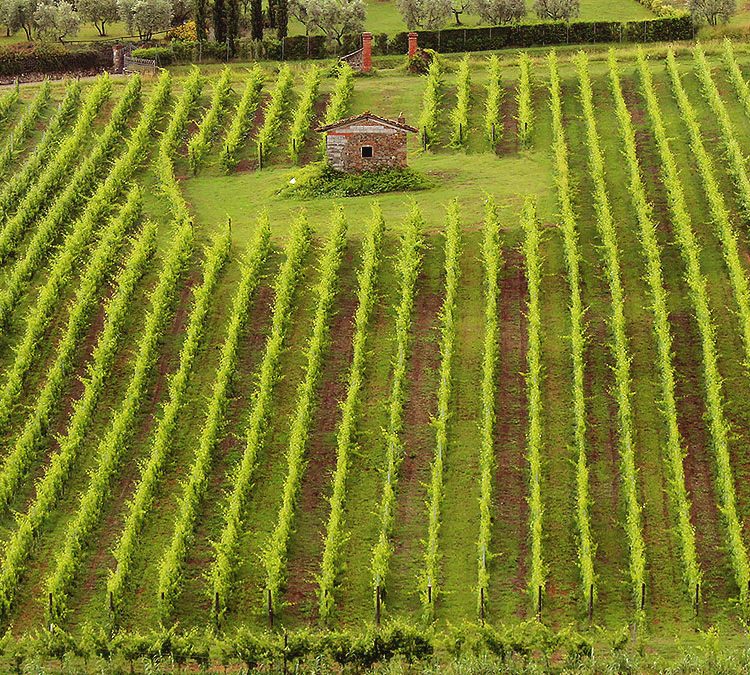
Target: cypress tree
[
  {"x": 272, "y": 5},
  {"x": 256, "y": 19},
  {"x": 282, "y": 18},
  {"x": 220, "y": 21},
  {"x": 201, "y": 20},
  {"x": 233, "y": 24}
]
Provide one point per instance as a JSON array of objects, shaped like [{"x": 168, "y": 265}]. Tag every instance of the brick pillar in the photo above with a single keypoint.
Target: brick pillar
[
  {"x": 118, "y": 59},
  {"x": 412, "y": 44},
  {"x": 366, "y": 52}
]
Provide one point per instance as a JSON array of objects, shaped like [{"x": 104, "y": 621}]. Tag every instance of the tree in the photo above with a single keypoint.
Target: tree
[
  {"x": 256, "y": 19},
  {"x": 54, "y": 22},
  {"x": 272, "y": 13},
  {"x": 428, "y": 14},
  {"x": 17, "y": 14},
  {"x": 282, "y": 18},
  {"x": 336, "y": 18},
  {"x": 201, "y": 19},
  {"x": 496, "y": 12},
  {"x": 98, "y": 12},
  {"x": 145, "y": 16},
  {"x": 557, "y": 10},
  {"x": 712, "y": 12},
  {"x": 220, "y": 20},
  {"x": 298, "y": 9},
  {"x": 233, "y": 24}
]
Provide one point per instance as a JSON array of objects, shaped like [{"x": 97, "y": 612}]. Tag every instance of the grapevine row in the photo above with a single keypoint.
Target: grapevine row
[
  {"x": 64, "y": 264},
  {"x": 24, "y": 449},
  {"x": 717, "y": 206},
  {"x": 493, "y": 122},
  {"x": 303, "y": 115},
  {"x": 335, "y": 534},
  {"x": 243, "y": 119},
  {"x": 19, "y": 545},
  {"x": 492, "y": 260},
  {"x": 24, "y": 177},
  {"x": 194, "y": 488},
  {"x": 431, "y": 99},
  {"x": 531, "y": 244},
  {"x": 25, "y": 126},
  {"x": 732, "y": 147},
  {"x": 460, "y": 114},
  {"x": 141, "y": 502},
  {"x": 8, "y": 102},
  {"x": 569, "y": 227},
  {"x": 170, "y": 142},
  {"x": 429, "y": 581},
  {"x": 63, "y": 209},
  {"x": 524, "y": 100},
  {"x": 623, "y": 391},
  {"x": 408, "y": 266},
  {"x": 122, "y": 426},
  {"x": 221, "y": 573},
  {"x": 201, "y": 141},
  {"x": 735, "y": 75},
  {"x": 341, "y": 98},
  {"x": 274, "y": 113},
  {"x": 275, "y": 550},
  {"x": 54, "y": 173},
  {"x": 659, "y": 304},
  {"x": 697, "y": 286}
]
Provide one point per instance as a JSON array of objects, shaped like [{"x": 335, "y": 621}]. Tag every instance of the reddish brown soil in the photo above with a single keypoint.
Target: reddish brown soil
[
  {"x": 310, "y": 151},
  {"x": 508, "y": 144},
  {"x": 321, "y": 451},
  {"x": 698, "y": 462},
  {"x": 512, "y": 415}
]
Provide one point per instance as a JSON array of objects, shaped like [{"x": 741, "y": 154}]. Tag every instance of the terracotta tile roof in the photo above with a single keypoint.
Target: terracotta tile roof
[{"x": 367, "y": 115}]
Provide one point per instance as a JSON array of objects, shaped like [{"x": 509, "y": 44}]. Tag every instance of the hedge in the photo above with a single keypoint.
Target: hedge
[
  {"x": 664, "y": 29},
  {"x": 25, "y": 58}
]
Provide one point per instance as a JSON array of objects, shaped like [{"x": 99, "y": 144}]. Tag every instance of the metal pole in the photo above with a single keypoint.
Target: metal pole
[{"x": 429, "y": 593}]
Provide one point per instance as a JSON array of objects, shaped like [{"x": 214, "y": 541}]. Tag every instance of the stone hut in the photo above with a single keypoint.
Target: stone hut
[{"x": 366, "y": 142}]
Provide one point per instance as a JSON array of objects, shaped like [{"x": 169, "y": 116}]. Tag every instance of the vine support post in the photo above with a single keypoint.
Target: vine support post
[
  {"x": 643, "y": 595},
  {"x": 286, "y": 648},
  {"x": 377, "y": 605},
  {"x": 591, "y": 602},
  {"x": 481, "y": 605},
  {"x": 697, "y": 598},
  {"x": 493, "y": 133},
  {"x": 429, "y": 593},
  {"x": 217, "y": 607},
  {"x": 539, "y": 602},
  {"x": 270, "y": 608}
]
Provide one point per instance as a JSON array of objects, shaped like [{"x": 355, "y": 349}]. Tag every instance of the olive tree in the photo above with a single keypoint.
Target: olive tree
[
  {"x": 336, "y": 18},
  {"x": 18, "y": 14},
  {"x": 145, "y": 16},
  {"x": 427, "y": 14},
  {"x": 495, "y": 12},
  {"x": 99, "y": 13},
  {"x": 713, "y": 12},
  {"x": 557, "y": 10},
  {"x": 55, "y": 22}
]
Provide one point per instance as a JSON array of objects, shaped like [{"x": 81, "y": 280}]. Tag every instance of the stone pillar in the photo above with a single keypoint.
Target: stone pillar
[
  {"x": 118, "y": 59},
  {"x": 366, "y": 52},
  {"x": 412, "y": 44}
]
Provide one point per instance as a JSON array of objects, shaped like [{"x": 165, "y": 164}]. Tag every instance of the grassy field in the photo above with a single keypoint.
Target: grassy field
[{"x": 507, "y": 172}]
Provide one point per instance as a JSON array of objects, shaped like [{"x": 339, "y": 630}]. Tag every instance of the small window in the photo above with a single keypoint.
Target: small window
[{"x": 366, "y": 151}]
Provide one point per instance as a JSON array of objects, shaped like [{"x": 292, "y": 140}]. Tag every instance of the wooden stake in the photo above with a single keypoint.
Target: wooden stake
[
  {"x": 377, "y": 605},
  {"x": 591, "y": 602},
  {"x": 270, "y": 609},
  {"x": 539, "y": 603},
  {"x": 643, "y": 596},
  {"x": 481, "y": 605},
  {"x": 429, "y": 593}
]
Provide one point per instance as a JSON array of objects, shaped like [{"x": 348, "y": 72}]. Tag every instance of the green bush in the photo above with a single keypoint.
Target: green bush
[
  {"x": 321, "y": 180},
  {"x": 164, "y": 56}
]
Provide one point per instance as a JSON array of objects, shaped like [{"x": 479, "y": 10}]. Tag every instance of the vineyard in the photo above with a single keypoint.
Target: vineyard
[{"x": 518, "y": 393}]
